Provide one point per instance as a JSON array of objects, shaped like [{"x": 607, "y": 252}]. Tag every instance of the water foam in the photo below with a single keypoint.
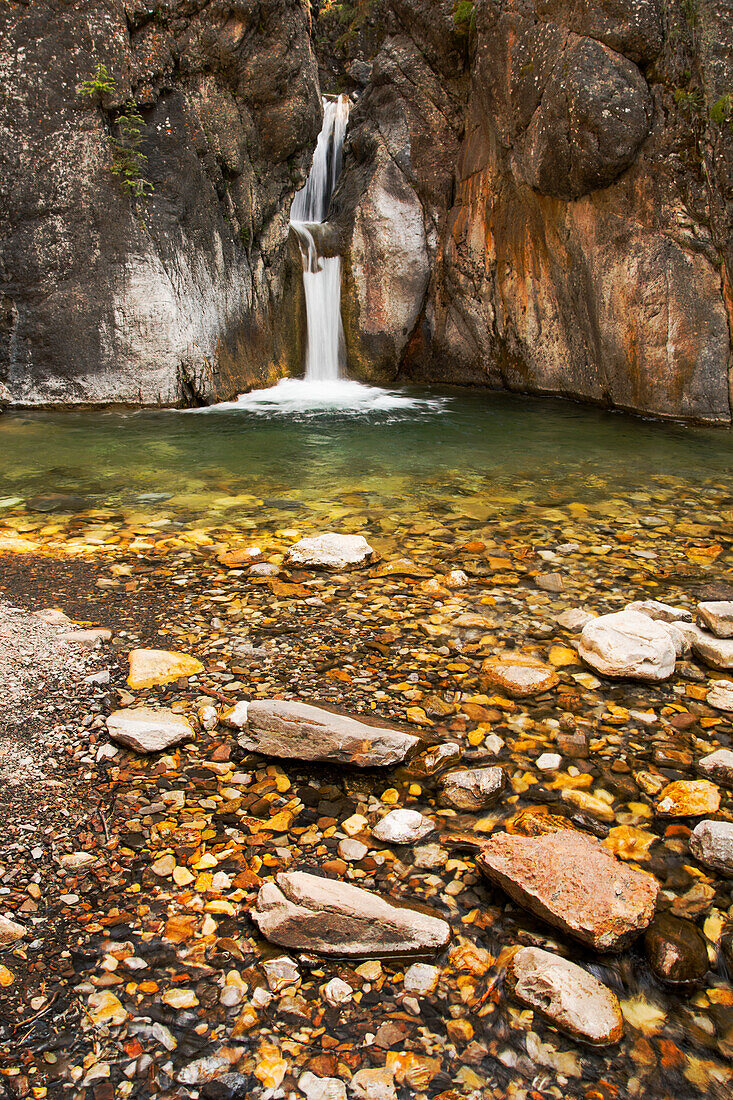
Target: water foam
[{"x": 343, "y": 397}]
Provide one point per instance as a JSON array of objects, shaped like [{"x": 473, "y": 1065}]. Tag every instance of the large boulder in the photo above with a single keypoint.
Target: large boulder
[
  {"x": 628, "y": 644},
  {"x": 299, "y": 731},
  {"x": 147, "y": 729},
  {"x": 307, "y": 913},
  {"x": 574, "y": 883},
  {"x": 330, "y": 551},
  {"x": 566, "y": 995}
]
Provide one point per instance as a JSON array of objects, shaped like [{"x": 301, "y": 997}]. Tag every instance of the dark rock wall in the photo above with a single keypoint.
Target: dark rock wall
[
  {"x": 560, "y": 170},
  {"x": 182, "y": 295}
]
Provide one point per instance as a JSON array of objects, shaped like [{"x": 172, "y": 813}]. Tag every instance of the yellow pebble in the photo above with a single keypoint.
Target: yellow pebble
[{"x": 390, "y": 796}]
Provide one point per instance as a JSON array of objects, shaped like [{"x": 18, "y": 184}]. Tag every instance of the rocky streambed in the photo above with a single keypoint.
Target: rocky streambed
[{"x": 445, "y": 818}]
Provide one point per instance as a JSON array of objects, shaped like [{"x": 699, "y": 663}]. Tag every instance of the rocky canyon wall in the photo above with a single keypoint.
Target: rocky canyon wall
[
  {"x": 181, "y": 294},
  {"x": 537, "y": 196}
]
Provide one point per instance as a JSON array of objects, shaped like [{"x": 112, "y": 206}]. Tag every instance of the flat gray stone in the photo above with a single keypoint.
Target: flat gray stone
[
  {"x": 718, "y": 766},
  {"x": 566, "y": 995},
  {"x": 148, "y": 729},
  {"x": 473, "y": 788},
  {"x": 298, "y": 731},
  {"x": 308, "y": 913},
  {"x": 712, "y": 843},
  {"x": 403, "y": 827},
  {"x": 714, "y": 651},
  {"x": 720, "y": 695},
  {"x": 628, "y": 644},
  {"x": 661, "y": 612},
  {"x": 330, "y": 551},
  {"x": 717, "y": 616}
]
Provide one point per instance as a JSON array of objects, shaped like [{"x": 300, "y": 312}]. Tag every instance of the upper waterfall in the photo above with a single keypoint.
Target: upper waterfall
[{"x": 325, "y": 351}]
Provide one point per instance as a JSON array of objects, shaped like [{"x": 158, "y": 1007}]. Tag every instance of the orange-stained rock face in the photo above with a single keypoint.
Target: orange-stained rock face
[{"x": 574, "y": 883}]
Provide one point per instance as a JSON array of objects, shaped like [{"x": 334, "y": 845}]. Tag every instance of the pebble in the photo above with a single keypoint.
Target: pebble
[{"x": 711, "y": 843}]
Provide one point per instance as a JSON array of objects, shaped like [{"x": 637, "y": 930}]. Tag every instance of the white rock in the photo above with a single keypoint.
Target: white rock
[
  {"x": 53, "y": 615},
  {"x": 352, "y": 850},
  {"x": 548, "y": 762},
  {"x": 473, "y": 788},
  {"x": 402, "y": 827},
  {"x": 208, "y": 716},
  {"x": 662, "y": 612},
  {"x": 321, "y": 1088},
  {"x": 281, "y": 972},
  {"x": 236, "y": 717},
  {"x": 456, "y": 579},
  {"x": 263, "y": 569},
  {"x": 89, "y": 638},
  {"x": 717, "y": 616},
  {"x": 720, "y": 695},
  {"x": 147, "y": 729},
  {"x": 330, "y": 551},
  {"x": 718, "y": 766},
  {"x": 310, "y": 913},
  {"x": 679, "y": 633},
  {"x": 10, "y": 931},
  {"x": 627, "y": 644},
  {"x": 294, "y": 730},
  {"x": 716, "y": 652},
  {"x": 421, "y": 978},
  {"x": 337, "y": 992},
  {"x": 712, "y": 843},
  {"x": 76, "y": 861},
  {"x": 566, "y": 994},
  {"x": 373, "y": 1084},
  {"x": 574, "y": 619}
]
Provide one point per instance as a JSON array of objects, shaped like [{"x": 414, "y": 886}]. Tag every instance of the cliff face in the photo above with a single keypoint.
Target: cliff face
[
  {"x": 181, "y": 294},
  {"x": 548, "y": 185}
]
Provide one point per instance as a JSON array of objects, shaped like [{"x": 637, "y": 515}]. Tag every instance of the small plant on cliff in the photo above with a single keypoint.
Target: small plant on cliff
[
  {"x": 128, "y": 161},
  {"x": 688, "y": 100},
  {"x": 99, "y": 85},
  {"x": 721, "y": 111},
  {"x": 464, "y": 17}
]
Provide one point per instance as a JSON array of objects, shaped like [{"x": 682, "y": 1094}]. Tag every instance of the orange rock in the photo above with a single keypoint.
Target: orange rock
[
  {"x": 517, "y": 674},
  {"x": 688, "y": 798}
]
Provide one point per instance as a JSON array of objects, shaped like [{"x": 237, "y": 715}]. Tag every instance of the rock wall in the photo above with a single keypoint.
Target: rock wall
[
  {"x": 547, "y": 184},
  {"x": 184, "y": 294}
]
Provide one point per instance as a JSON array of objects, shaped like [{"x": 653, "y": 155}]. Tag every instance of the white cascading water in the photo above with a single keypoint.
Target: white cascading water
[
  {"x": 325, "y": 350},
  {"x": 325, "y": 388}
]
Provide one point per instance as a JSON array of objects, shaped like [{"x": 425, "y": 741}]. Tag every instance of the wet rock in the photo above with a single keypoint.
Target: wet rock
[
  {"x": 574, "y": 883},
  {"x": 549, "y": 582},
  {"x": 10, "y": 931},
  {"x": 309, "y": 913},
  {"x": 90, "y": 638},
  {"x": 661, "y": 612},
  {"x": 436, "y": 759},
  {"x": 236, "y": 717},
  {"x": 473, "y": 789},
  {"x": 676, "y": 948},
  {"x": 299, "y": 731},
  {"x": 321, "y": 1088},
  {"x": 264, "y": 569},
  {"x": 210, "y": 1067},
  {"x": 711, "y": 843},
  {"x": 230, "y": 1086},
  {"x": 402, "y": 827},
  {"x": 148, "y": 729},
  {"x": 373, "y": 1084},
  {"x": 330, "y": 551},
  {"x": 718, "y": 766},
  {"x": 150, "y": 667},
  {"x": 717, "y": 616},
  {"x": 678, "y": 632},
  {"x": 628, "y": 644},
  {"x": 421, "y": 978},
  {"x": 574, "y": 619},
  {"x": 548, "y": 762},
  {"x": 688, "y": 798},
  {"x": 716, "y": 652},
  {"x": 566, "y": 995},
  {"x": 720, "y": 695},
  {"x": 518, "y": 675},
  {"x": 281, "y": 972}
]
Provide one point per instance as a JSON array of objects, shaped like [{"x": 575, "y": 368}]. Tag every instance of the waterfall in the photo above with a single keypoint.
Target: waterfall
[{"x": 325, "y": 348}]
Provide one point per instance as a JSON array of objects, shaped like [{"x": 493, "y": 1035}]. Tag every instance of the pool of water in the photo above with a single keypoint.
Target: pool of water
[{"x": 399, "y": 452}]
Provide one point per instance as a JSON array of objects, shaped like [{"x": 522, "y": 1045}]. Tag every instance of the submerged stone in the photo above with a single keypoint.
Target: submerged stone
[
  {"x": 688, "y": 798},
  {"x": 518, "y": 675},
  {"x": 299, "y": 731},
  {"x": 676, "y": 948},
  {"x": 403, "y": 827},
  {"x": 718, "y": 766},
  {"x": 566, "y": 995},
  {"x": 661, "y": 612},
  {"x": 148, "y": 729},
  {"x": 628, "y": 644},
  {"x": 330, "y": 551},
  {"x": 712, "y": 844},
  {"x": 573, "y": 882},
  {"x": 150, "y": 667},
  {"x": 473, "y": 789},
  {"x": 309, "y": 913}
]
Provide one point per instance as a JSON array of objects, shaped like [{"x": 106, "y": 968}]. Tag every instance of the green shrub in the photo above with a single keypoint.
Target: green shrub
[
  {"x": 128, "y": 160},
  {"x": 464, "y": 17},
  {"x": 100, "y": 85},
  {"x": 721, "y": 111}
]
